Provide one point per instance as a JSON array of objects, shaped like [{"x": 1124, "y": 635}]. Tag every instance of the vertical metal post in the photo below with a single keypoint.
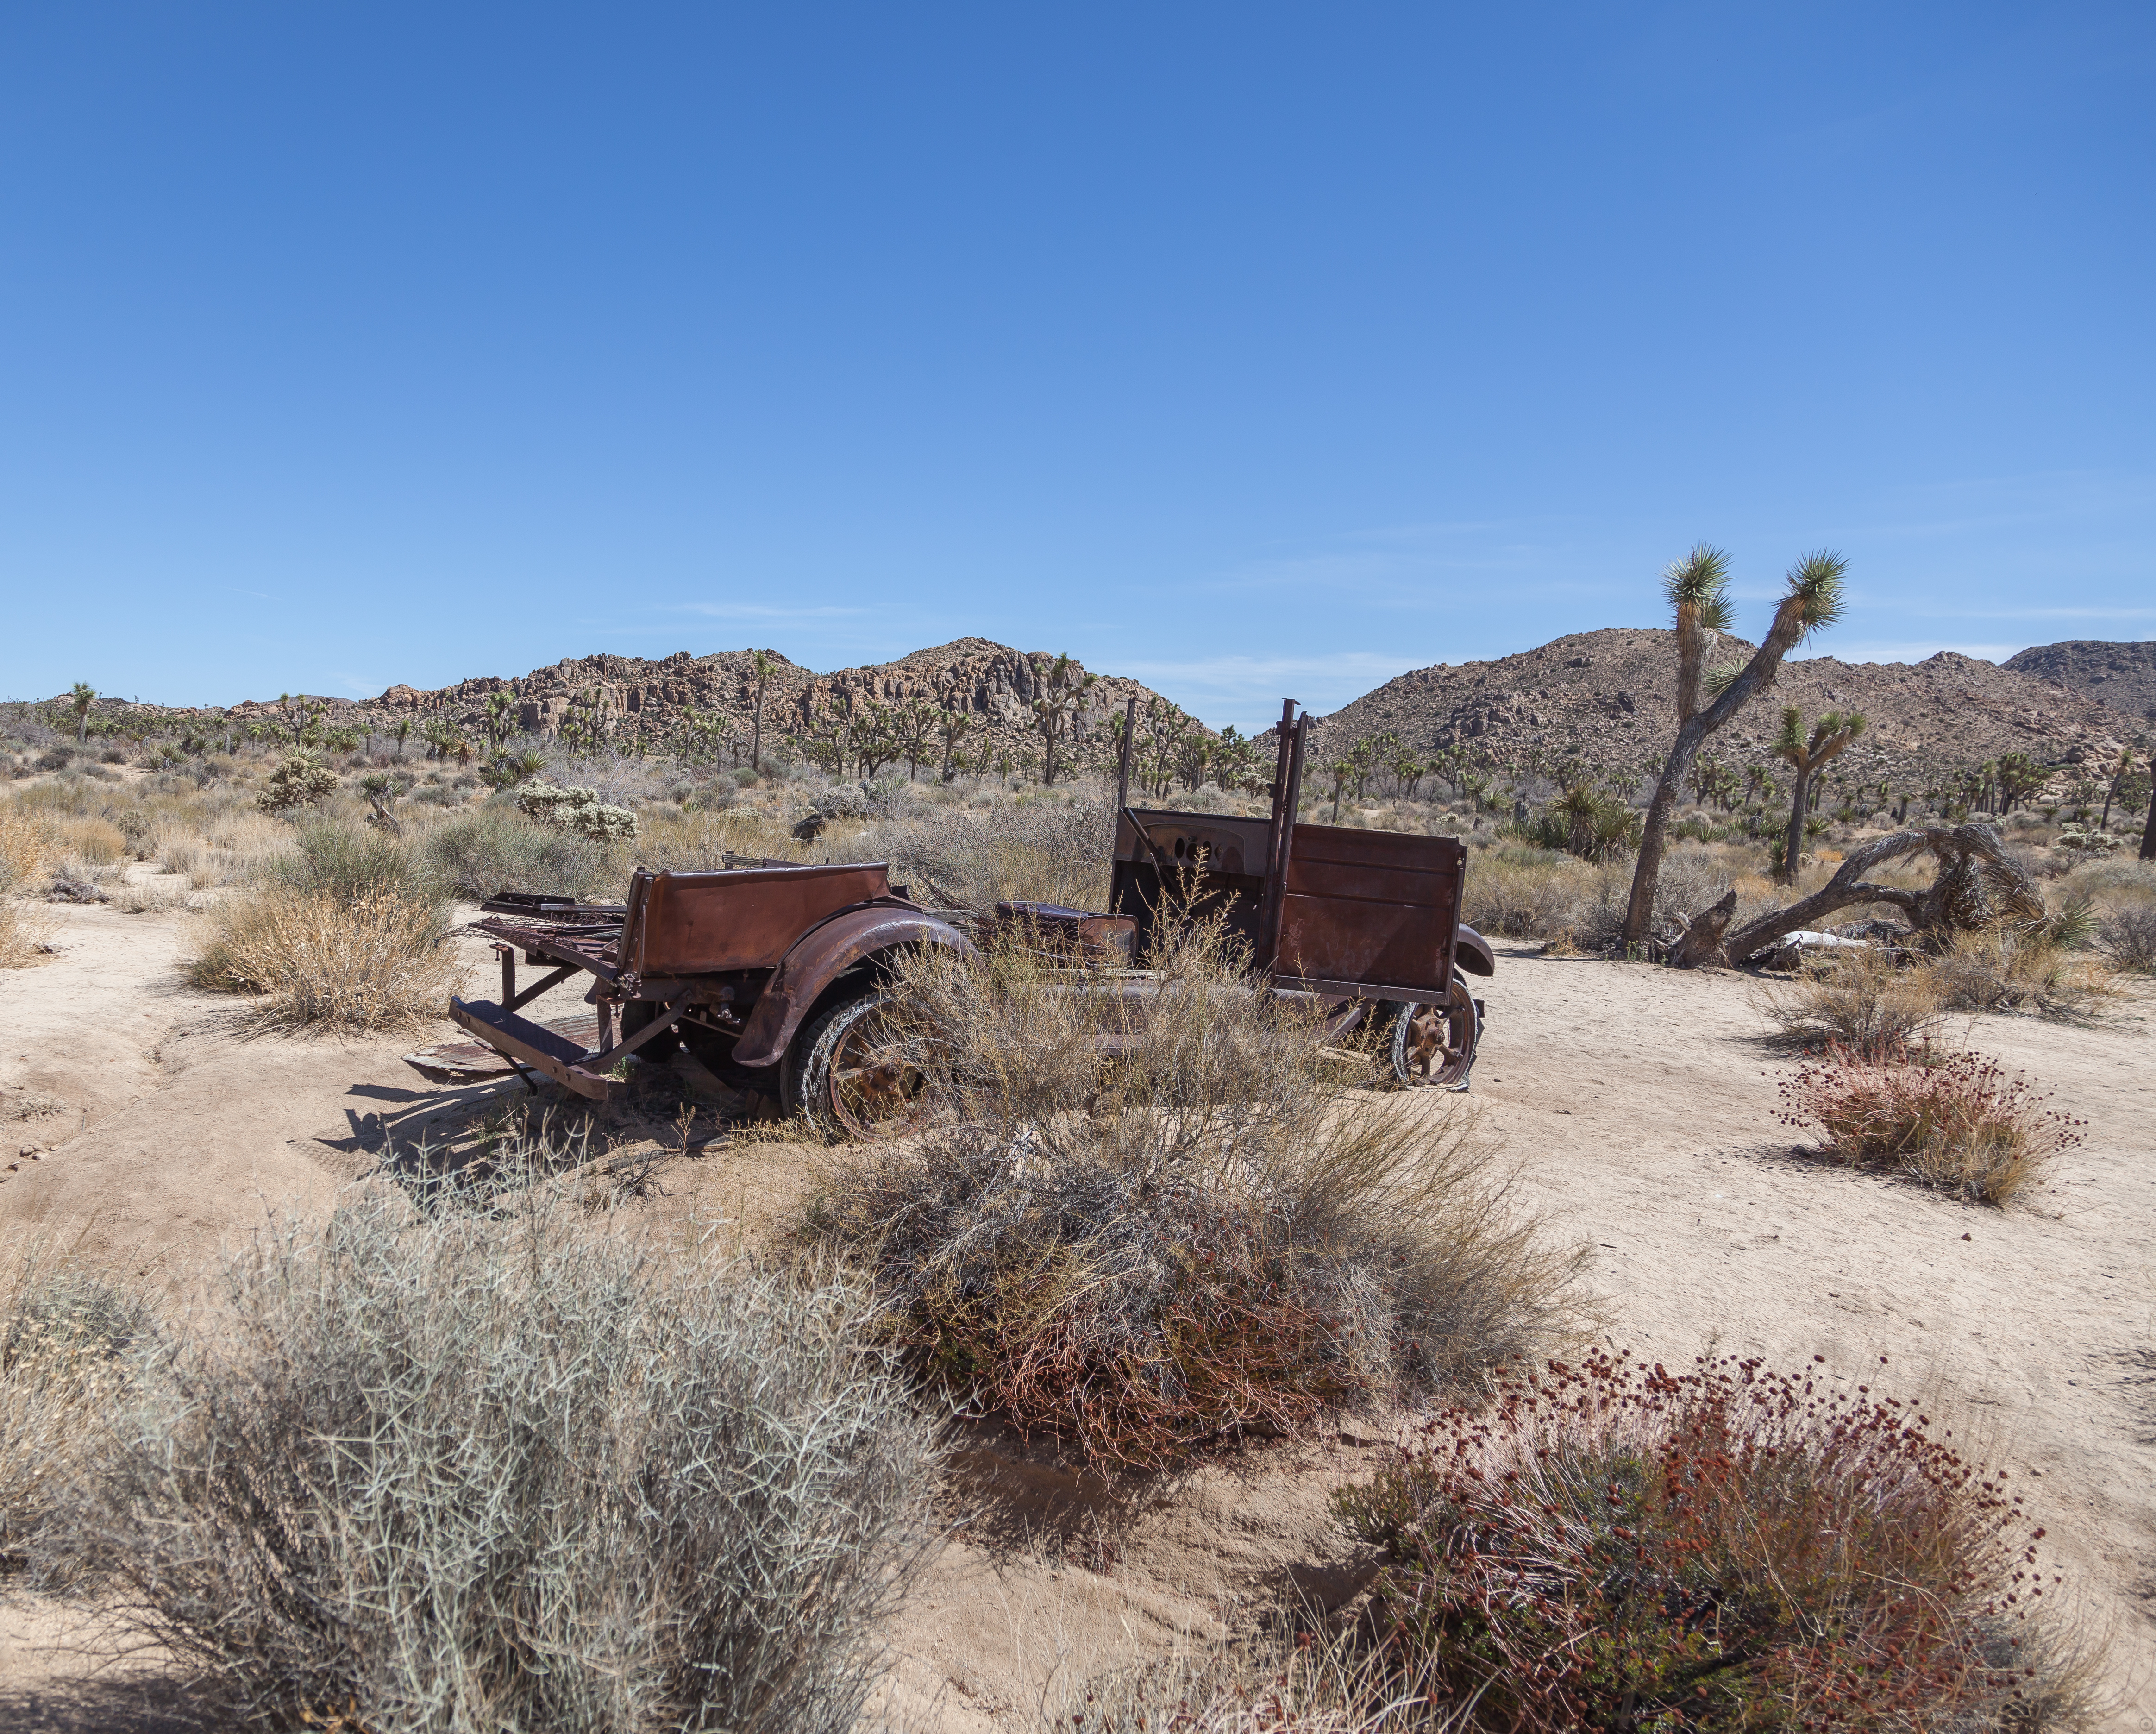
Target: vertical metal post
[
  {"x": 508, "y": 975},
  {"x": 1123, "y": 764},
  {"x": 1291, "y": 800},
  {"x": 1283, "y": 816}
]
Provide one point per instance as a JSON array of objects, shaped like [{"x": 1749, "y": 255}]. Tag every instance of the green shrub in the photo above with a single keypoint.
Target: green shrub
[
  {"x": 439, "y": 1477},
  {"x": 487, "y": 852},
  {"x": 351, "y": 862}
]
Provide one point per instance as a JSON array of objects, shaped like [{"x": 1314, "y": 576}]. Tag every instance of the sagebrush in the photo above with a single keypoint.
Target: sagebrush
[{"x": 456, "y": 1475}]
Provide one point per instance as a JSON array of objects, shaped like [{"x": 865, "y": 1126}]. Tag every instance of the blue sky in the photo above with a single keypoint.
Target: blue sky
[{"x": 1250, "y": 349}]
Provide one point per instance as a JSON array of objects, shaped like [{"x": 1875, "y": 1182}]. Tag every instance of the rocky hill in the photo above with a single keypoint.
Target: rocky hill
[
  {"x": 635, "y": 698},
  {"x": 2122, "y": 676},
  {"x": 1608, "y": 698}
]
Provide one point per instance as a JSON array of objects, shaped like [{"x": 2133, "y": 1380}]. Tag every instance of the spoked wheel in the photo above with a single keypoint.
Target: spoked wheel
[
  {"x": 850, "y": 1073},
  {"x": 1435, "y": 1044}
]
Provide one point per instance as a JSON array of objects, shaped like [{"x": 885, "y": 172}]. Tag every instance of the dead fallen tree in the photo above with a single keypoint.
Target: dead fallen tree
[{"x": 1977, "y": 884}]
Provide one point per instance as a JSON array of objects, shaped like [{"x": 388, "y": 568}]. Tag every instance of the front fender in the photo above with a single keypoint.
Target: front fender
[
  {"x": 1472, "y": 952},
  {"x": 817, "y": 958}
]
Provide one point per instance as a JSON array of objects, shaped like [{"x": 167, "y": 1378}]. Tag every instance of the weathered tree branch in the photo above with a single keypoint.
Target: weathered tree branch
[{"x": 1977, "y": 883}]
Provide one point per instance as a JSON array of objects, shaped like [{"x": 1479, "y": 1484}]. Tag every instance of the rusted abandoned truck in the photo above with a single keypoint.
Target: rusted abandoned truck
[{"x": 775, "y": 974}]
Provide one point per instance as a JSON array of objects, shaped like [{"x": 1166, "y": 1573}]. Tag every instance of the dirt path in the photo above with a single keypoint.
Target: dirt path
[{"x": 1634, "y": 1102}]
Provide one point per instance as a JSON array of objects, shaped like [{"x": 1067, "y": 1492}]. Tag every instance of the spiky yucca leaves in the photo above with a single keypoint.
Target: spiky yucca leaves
[{"x": 1697, "y": 587}]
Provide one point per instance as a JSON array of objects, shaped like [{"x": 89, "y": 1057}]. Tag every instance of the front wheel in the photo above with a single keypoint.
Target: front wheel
[
  {"x": 848, "y": 1071},
  {"x": 1434, "y": 1044}
]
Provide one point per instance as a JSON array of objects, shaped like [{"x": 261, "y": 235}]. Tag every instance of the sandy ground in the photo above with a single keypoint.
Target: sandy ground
[{"x": 1638, "y": 1106}]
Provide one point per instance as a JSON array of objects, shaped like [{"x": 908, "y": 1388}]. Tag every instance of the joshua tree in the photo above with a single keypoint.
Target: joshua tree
[
  {"x": 1830, "y": 734},
  {"x": 501, "y": 707},
  {"x": 911, "y": 725},
  {"x": 2121, "y": 774},
  {"x": 402, "y": 731},
  {"x": 1343, "y": 773},
  {"x": 762, "y": 664},
  {"x": 82, "y": 695},
  {"x": 1062, "y": 689},
  {"x": 1698, "y": 589},
  {"x": 951, "y": 725}
]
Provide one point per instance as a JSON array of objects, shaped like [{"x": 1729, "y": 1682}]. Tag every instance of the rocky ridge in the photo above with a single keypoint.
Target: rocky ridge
[
  {"x": 638, "y": 698},
  {"x": 2122, "y": 676},
  {"x": 1608, "y": 697}
]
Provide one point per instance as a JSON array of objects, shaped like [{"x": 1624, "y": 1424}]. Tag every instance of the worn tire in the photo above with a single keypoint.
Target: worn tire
[
  {"x": 1463, "y": 1035},
  {"x": 814, "y": 1078}
]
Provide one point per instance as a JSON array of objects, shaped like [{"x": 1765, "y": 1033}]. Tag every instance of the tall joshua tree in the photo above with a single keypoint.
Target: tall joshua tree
[
  {"x": 1829, "y": 735},
  {"x": 1698, "y": 589},
  {"x": 1060, "y": 687},
  {"x": 762, "y": 665},
  {"x": 82, "y": 695}
]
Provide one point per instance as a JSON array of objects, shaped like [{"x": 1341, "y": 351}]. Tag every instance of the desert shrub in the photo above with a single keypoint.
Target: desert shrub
[
  {"x": 1606, "y": 1547},
  {"x": 2002, "y": 969},
  {"x": 470, "y": 1473},
  {"x": 302, "y": 780},
  {"x": 1528, "y": 893},
  {"x": 1861, "y": 999},
  {"x": 63, "y": 1337},
  {"x": 489, "y": 851},
  {"x": 26, "y": 843},
  {"x": 314, "y": 957},
  {"x": 1042, "y": 852},
  {"x": 2129, "y": 937},
  {"x": 1210, "y": 1234},
  {"x": 351, "y": 863},
  {"x": 1291, "y": 1675},
  {"x": 1954, "y": 1121},
  {"x": 580, "y": 810}
]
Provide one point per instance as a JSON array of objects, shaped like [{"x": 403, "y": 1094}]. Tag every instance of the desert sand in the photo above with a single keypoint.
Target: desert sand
[{"x": 1636, "y": 1107}]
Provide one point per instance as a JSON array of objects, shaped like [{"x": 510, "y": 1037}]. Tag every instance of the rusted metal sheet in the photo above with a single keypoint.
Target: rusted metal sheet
[
  {"x": 818, "y": 959},
  {"x": 1378, "y": 909},
  {"x": 692, "y": 924},
  {"x": 473, "y": 1062}
]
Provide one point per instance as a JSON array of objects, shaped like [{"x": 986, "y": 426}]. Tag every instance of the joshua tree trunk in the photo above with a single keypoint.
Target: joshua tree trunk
[
  {"x": 2148, "y": 830},
  {"x": 756, "y": 737},
  {"x": 1800, "y": 808}
]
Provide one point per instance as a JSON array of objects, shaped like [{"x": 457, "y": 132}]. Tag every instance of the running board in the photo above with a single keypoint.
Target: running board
[{"x": 521, "y": 1039}]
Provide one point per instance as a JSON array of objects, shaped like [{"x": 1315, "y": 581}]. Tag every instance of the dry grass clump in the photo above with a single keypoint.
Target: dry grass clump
[
  {"x": 1211, "y": 1233},
  {"x": 473, "y": 1473},
  {"x": 1955, "y": 1121},
  {"x": 1999, "y": 969},
  {"x": 1732, "y": 1548},
  {"x": 1032, "y": 851},
  {"x": 2129, "y": 939},
  {"x": 1285, "y": 1678},
  {"x": 376, "y": 963},
  {"x": 1861, "y": 1001},
  {"x": 64, "y": 1339}
]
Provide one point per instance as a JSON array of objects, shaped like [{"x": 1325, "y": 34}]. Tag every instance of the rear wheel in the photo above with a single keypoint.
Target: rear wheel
[
  {"x": 635, "y": 1015},
  {"x": 848, "y": 1071},
  {"x": 1435, "y": 1044}
]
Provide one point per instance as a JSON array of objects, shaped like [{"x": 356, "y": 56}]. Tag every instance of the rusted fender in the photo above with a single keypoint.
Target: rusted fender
[
  {"x": 1472, "y": 952},
  {"x": 818, "y": 957}
]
